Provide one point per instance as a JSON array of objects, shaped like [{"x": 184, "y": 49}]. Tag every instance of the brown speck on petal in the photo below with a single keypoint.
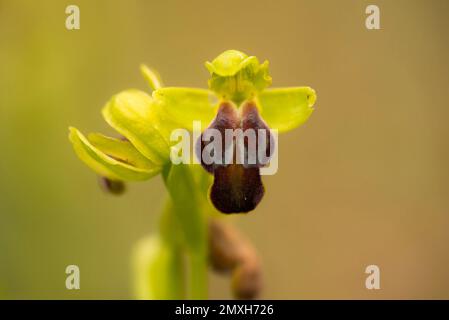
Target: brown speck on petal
[{"x": 123, "y": 138}]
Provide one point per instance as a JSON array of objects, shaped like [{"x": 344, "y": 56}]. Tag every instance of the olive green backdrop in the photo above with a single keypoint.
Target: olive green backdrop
[{"x": 364, "y": 181}]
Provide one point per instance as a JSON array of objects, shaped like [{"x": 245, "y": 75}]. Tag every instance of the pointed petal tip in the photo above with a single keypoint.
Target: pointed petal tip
[
  {"x": 107, "y": 166},
  {"x": 311, "y": 96}
]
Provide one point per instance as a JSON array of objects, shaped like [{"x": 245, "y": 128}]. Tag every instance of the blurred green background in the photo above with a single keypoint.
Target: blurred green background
[{"x": 365, "y": 181}]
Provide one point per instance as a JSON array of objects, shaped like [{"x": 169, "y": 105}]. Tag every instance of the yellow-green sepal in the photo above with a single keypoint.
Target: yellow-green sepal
[
  {"x": 112, "y": 158},
  {"x": 180, "y": 107},
  {"x": 134, "y": 115},
  {"x": 286, "y": 108}
]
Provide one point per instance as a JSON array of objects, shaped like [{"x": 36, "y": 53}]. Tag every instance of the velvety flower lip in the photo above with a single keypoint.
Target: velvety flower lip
[
  {"x": 227, "y": 118},
  {"x": 237, "y": 185},
  {"x": 236, "y": 189},
  {"x": 251, "y": 120}
]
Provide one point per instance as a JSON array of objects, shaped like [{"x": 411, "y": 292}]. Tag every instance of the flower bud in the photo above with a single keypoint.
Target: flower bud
[
  {"x": 230, "y": 251},
  {"x": 224, "y": 244},
  {"x": 115, "y": 187},
  {"x": 247, "y": 281}
]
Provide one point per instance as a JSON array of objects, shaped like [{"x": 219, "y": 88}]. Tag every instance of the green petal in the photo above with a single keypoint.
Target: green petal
[
  {"x": 120, "y": 149},
  {"x": 122, "y": 162},
  {"x": 228, "y": 63},
  {"x": 134, "y": 115},
  {"x": 286, "y": 108},
  {"x": 158, "y": 269},
  {"x": 179, "y": 107},
  {"x": 152, "y": 77}
]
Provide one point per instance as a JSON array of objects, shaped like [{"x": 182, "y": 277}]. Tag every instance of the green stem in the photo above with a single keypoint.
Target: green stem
[
  {"x": 188, "y": 208},
  {"x": 198, "y": 275},
  {"x": 169, "y": 229}
]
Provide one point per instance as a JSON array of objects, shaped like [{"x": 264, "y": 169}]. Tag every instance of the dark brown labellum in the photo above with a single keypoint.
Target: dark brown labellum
[{"x": 233, "y": 148}]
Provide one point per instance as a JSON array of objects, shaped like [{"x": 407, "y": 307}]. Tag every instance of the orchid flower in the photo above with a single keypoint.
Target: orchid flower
[{"x": 237, "y": 97}]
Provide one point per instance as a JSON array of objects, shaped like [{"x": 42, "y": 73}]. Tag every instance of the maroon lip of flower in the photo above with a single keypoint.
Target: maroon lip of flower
[{"x": 237, "y": 186}]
